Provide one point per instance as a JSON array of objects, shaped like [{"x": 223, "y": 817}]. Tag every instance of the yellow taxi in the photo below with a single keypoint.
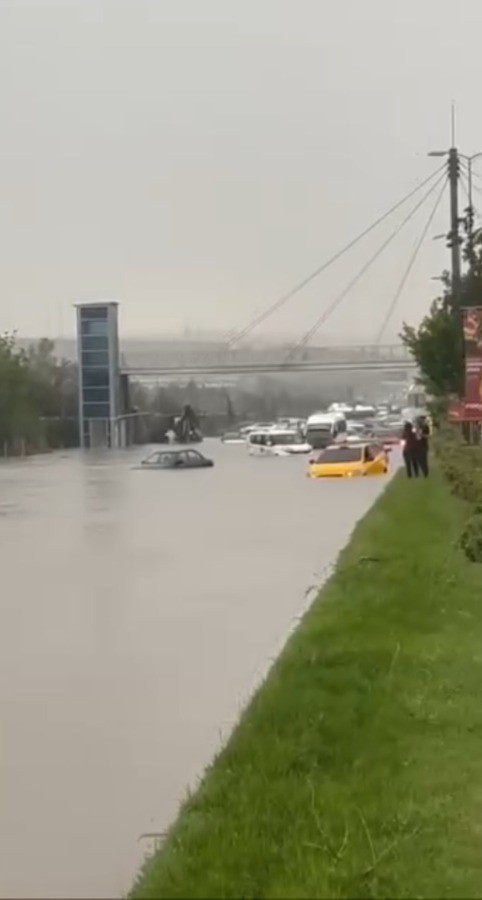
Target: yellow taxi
[{"x": 346, "y": 460}]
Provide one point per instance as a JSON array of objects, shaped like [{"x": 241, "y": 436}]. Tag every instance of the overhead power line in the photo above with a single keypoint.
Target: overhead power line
[
  {"x": 465, "y": 187},
  {"x": 262, "y": 316},
  {"x": 340, "y": 297},
  {"x": 411, "y": 262},
  {"x": 465, "y": 166}
]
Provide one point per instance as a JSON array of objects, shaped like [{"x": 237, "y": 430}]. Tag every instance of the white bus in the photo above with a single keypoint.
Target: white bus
[
  {"x": 277, "y": 442},
  {"x": 323, "y": 428}
]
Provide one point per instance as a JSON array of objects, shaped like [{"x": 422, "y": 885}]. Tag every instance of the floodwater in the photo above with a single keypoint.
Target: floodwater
[{"x": 137, "y": 611}]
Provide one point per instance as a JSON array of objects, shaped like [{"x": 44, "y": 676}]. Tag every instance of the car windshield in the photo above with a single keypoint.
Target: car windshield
[
  {"x": 361, "y": 415},
  {"x": 163, "y": 459},
  {"x": 320, "y": 428},
  {"x": 341, "y": 455},
  {"x": 285, "y": 437}
]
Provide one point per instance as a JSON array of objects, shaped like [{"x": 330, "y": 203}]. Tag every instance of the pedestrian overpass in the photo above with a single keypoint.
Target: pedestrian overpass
[{"x": 104, "y": 372}]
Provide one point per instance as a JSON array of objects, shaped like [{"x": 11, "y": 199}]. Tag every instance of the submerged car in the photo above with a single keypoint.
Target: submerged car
[
  {"x": 176, "y": 459},
  {"x": 233, "y": 437},
  {"x": 349, "y": 460}
]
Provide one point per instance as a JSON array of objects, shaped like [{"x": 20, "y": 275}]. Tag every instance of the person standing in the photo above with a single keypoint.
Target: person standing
[
  {"x": 410, "y": 457},
  {"x": 422, "y": 436}
]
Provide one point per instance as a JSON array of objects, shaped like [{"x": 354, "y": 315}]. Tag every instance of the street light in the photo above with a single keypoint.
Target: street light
[
  {"x": 454, "y": 240},
  {"x": 469, "y": 160}
]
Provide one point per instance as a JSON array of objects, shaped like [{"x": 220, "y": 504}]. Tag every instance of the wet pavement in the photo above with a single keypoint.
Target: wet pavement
[{"x": 138, "y": 609}]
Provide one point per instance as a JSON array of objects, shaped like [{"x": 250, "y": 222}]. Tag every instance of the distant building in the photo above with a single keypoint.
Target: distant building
[{"x": 99, "y": 375}]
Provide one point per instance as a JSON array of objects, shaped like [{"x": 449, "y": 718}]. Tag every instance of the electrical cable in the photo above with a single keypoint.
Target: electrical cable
[
  {"x": 465, "y": 165},
  {"x": 465, "y": 186},
  {"x": 411, "y": 262},
  {"x": 262, "y": 316},
  {"x": 475, "y": 187},
  {"x": 340, "y": 297}
]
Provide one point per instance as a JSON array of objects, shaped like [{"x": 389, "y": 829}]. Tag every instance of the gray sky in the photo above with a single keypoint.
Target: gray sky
[{"x": 195, "y": 158}]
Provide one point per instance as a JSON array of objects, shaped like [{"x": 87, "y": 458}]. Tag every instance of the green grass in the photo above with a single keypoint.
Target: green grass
[{"x": 356, "y": 771}]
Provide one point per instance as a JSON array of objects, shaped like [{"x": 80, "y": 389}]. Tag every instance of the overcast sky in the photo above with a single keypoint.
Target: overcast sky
[{"x": 193, "y": 159}]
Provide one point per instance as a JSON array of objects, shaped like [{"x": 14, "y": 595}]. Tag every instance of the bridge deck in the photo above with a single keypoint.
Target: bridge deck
[{"x": 223, "y": 361}]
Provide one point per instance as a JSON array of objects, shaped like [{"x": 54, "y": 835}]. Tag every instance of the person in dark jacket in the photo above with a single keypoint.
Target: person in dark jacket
[
  {"x": 410, "y": 456},
  {"x": 422, "y": 435}
]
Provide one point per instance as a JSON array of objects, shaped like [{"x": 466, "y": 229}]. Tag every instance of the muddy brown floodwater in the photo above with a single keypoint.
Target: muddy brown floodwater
[{"x": 137, "y": 611}]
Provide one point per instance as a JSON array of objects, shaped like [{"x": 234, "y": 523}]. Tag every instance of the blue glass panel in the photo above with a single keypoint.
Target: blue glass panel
[
  {"x": 97, "y": 359},
  {"x": 93, "y": 312},
  {"x": 93, "y": 327},
  {"x": 96, "y": 395},
  {"x": 95, "y": 342},
  {"x": 96, "y": 411},
  {"x": 95, "y": 377}
]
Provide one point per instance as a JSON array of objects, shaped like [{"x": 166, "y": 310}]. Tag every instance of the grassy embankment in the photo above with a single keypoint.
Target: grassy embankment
[{"x": 357, "y": 769}]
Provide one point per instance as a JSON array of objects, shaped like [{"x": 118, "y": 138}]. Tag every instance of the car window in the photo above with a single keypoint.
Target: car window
[
  {"x": 340, "y": 455},
  {"x": 153, "y": 458},
  {"x": 166, "y": 459},
  {"x": 193, "y": 456},
  {"x": 286, "y": 438}
]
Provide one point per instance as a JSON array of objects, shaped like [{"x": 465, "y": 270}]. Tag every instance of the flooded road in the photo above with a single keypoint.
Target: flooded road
[{"x": 137, "y": 611}]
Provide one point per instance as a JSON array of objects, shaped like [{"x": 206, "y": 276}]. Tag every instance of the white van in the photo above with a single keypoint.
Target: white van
[
  {"x": 276, "y": 442},
  {"x": 323, "y": 428}
]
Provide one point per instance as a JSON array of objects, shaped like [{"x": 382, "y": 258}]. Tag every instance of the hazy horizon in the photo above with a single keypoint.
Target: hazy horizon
[{"x": 194, "y": 159}]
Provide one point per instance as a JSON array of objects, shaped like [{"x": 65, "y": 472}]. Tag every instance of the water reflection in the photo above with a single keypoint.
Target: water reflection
[{"x": 136, "y": 610}]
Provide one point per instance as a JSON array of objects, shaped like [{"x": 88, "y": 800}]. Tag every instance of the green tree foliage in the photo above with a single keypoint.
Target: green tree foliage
[
  {"x": 16, "y": 402},
  {"x": 37, "y": 397},
  {"x": 437, "y": 344}
]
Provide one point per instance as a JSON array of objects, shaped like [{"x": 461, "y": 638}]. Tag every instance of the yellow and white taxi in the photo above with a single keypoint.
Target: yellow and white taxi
[{"x": 349, "y": 459}]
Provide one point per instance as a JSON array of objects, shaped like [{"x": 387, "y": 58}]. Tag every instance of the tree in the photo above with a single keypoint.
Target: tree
[
  {"x": 437, "y": 344},
  {"x": 54, "y": 381},
  {"x": 17, "y": 408},
  {"x": 38, "y": 397}
]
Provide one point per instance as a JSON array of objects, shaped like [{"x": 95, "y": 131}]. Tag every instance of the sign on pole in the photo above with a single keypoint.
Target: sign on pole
[{"x": 472, "y": 325}]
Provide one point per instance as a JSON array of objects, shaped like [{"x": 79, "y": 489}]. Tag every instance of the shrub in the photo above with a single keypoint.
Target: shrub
[
  {"x": 460, "y": 463},
  {"x": 471, "y": 538}
]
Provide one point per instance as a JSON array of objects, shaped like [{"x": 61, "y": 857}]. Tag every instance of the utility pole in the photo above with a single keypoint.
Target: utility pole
[
  {"x": 470, "y": 217},
  {"x": 454, "y": 239}
]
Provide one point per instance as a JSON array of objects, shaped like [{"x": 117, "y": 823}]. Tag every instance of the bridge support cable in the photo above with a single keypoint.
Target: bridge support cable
[
  {"x": 233, "y": 339},
  {"x": 468, "y": 191},
  {"x": 411, "y": 262},
  {"x": 351, "y": 284}
]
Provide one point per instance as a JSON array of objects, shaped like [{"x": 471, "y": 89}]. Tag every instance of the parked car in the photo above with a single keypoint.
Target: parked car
[
  {"x": 176, "y": 459},
  {"x": 233, "y": 437}
]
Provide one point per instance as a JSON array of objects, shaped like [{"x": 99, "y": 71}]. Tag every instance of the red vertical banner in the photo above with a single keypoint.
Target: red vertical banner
[{"x": 472, "y": 325}]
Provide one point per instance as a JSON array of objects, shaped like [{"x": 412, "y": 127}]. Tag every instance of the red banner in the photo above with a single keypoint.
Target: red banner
[
  {"x": 472, "y": 324},
  {"x": 471, "y": 408},
  {"x": 465, "y": 412},
  {"x": 473, "y": 382}
]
